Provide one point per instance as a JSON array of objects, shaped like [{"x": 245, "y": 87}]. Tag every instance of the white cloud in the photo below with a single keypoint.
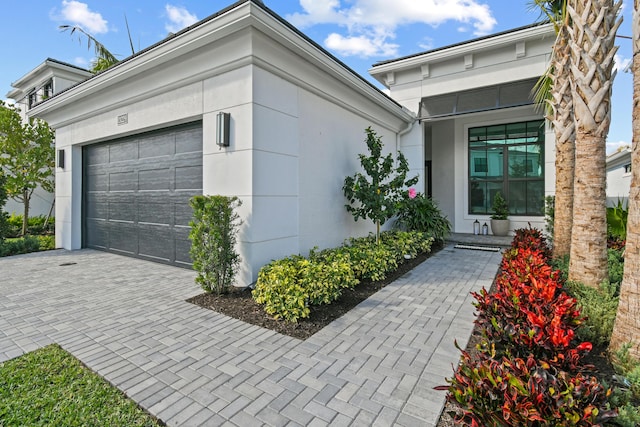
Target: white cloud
[
  {"x": 370, "y": 23},
  {"x": 620, "y": 64},
  {"x": 179, "y": 18},
  {"x": 360, "y": 46},
  {"x": 612, "y": 147},
  {"x": 77, "y": 13},
  {"x": 426, "y": 44}
]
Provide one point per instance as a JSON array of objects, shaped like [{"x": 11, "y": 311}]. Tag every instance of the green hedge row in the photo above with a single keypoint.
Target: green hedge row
[
  {"x": 36, "y": 225},
  {"x": 23, "y": 245},
  {"x": 287, "y": 287}
]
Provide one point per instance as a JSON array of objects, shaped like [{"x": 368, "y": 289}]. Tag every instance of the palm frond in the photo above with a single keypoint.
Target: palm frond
[{"x": 104, "y": 58}]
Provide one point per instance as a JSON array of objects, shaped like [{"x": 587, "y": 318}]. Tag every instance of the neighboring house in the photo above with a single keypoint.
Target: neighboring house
[
  {"x": 619, "y": 176},
  {"x": 42, "y": 82},
  {"x": 144, "y": 136}
]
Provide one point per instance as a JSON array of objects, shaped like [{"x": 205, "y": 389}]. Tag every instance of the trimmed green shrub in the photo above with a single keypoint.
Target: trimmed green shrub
[
  {"x": 289, "y": 286},
  {"x": 36, "y": 225},
  {"x": 22, "y": 245},
  {"x": 278, "y": 288},
  {"x": 615, "y": 266},
  {"x": 422, "y": 214},
  {"x": 599, "y": 306},
  {"x": 213, "y": 235}
]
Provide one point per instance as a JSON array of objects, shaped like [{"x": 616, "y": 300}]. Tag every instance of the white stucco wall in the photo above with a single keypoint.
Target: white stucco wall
[
  {"x": 297, "y": 126},
  {"x": 618, "y": 185}
]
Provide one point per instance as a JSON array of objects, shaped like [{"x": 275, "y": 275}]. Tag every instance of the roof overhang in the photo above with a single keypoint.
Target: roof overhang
[{"x": 501, "y": 40}]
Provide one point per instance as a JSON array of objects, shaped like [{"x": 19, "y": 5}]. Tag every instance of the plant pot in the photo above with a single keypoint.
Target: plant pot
[{"x": 500, "y": 227}]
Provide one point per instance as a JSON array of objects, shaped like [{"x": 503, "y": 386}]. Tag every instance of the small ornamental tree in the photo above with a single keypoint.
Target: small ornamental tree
[
  {"x": 213, "y": 236},
  {"x": 27, "y": 155},
  {"x": 378, "y": 194}
]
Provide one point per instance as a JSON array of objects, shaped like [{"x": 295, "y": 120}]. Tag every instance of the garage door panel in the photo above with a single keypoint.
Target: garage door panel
[
  {"x": 123, "y": 209},
  {"x": 189, "y": 142},
  {"x": 183, "y": 212},
  {"x": 123, "y": 237},
  {"x": 155, "y": 212},
  {"x": 99, "y": 238},
  {"x": 97, "y": 206},
  {"x": 188, "y": 177},
  {"x": 123, "y": 151},
  {"x": 136, "y": 198},
  {"x": 97, "y": 182},
  {"x": 123, "y": 181},
  {"x": 98, "y": 155},
  {"x": 155, "y": 179},
  {"x": 157, "y": 146},
  {"x": 182, "y": 251},
  {"x": 156, "y": 242}
]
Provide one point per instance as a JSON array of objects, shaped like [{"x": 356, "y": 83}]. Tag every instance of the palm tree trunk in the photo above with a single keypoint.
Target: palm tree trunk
[
  {"x": 594, "y": 24},
  {"x": 564, "y": 127},
  {"x": 627, "y": 325}
]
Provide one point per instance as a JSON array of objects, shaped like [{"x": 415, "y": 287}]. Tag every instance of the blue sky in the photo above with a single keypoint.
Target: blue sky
[{"x": 358, "y": 32}]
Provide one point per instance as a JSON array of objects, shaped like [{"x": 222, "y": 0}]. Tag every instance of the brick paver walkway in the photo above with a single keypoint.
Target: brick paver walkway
[{"x": 127, "y": 320}]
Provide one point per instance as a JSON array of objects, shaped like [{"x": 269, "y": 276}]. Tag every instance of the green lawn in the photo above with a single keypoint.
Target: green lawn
[{"x": 49, "y": 387}]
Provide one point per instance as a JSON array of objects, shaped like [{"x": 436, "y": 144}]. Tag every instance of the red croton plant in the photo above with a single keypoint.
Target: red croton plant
[{"x": 528, "y": 368}]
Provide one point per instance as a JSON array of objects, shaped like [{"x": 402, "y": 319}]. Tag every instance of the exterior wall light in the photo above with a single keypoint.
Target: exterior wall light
[
  {"x": 61, "y": 159},
  {"x": 222, "y": 129}
]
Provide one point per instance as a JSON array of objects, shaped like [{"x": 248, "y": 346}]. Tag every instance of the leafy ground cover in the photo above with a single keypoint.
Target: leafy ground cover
[
  {"x": 49, "y": 387},
  {"x": 528, "y": 362}
]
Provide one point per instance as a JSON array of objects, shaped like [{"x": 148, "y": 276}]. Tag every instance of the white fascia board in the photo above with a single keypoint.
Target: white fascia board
[{"x": 380, "y": 71}]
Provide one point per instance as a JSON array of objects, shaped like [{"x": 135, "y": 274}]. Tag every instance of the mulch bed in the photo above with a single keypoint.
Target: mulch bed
[{"x": 239, "y": 304}]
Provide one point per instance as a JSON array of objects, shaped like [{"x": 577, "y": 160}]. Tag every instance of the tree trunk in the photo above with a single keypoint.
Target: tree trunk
[
  {"x": 25, "y": 216},
  {"x": 594, "y": 24},
  {"x": 627, "y": 325},
  {"x": 564, "y": 127}
]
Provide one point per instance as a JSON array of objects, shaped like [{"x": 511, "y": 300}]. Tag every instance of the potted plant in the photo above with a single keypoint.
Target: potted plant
[{"x": 499, "y": 218}]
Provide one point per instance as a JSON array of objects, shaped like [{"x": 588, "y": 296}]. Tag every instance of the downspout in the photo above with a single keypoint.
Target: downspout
[{"x": 402, "y": 133}]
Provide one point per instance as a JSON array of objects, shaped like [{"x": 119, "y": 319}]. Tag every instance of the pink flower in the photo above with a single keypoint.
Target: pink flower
[{"x": 412, "y": 193}]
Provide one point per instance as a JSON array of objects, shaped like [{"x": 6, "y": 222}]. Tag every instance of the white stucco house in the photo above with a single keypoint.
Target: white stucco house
[
  {"x": 47, "y": 79},
  {"x": 141, "y": 138},
  {"x": 619, "y": 176}
]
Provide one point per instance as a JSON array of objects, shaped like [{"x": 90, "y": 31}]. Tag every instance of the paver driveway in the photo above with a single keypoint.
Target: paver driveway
[{"x": 127, "y": 320}]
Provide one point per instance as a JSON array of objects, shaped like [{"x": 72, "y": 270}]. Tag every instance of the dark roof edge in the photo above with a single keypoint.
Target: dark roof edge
[
  {"x": 66, "y": 64},
  {"x": 501, "y": 33}
]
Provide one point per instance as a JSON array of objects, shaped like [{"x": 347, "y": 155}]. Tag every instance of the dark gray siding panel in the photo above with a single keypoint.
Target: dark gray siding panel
[{"x": 137, "y": 191}]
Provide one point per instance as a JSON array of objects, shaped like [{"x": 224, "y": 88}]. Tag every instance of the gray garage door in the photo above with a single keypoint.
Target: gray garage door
[{"x": 137, "y": 191}]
